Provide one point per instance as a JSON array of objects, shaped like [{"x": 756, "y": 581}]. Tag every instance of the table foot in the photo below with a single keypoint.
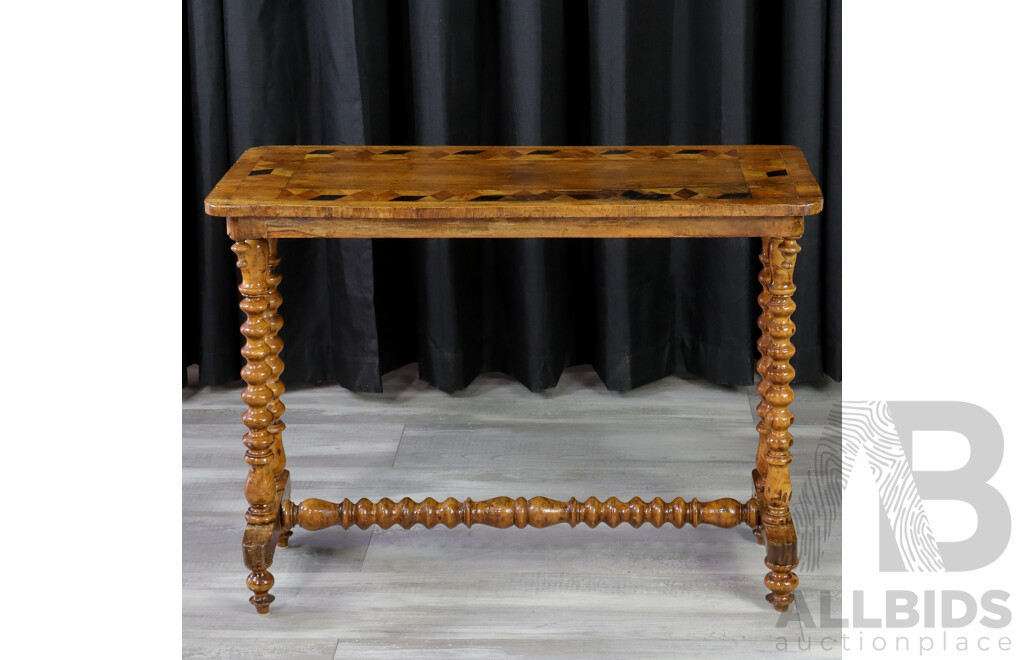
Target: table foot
[
  {"x": 260, "y": 583},
  {"x": 781, "y": 560},
  {"x": 782, "y": 582},
  {"x": 780, "y": 544},
  {"x": 258, "y": 554}
]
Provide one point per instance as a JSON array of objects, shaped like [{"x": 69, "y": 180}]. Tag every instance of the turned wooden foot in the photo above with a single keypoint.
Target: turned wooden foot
[
  {"x": 258, "y": 553},
  {"x": 260, "y": 583},
  {"x": 781, "y": 581}
]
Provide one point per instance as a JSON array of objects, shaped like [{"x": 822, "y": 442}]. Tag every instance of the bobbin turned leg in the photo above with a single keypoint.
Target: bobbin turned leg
[
  {"x": 765, "y": 361},
  {"x": 276, "y": 364},
  {"x": 776, "y": 521},
  {"x": 263, "y": 521}
]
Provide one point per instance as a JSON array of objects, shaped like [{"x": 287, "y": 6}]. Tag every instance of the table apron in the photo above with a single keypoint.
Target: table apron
[{"x": 247, "y": 228}]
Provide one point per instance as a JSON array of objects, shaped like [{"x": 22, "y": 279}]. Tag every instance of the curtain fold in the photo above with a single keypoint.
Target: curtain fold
[{"x": 528, "y": 72}]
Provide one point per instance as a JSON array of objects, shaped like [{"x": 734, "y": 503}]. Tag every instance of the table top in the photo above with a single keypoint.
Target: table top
[{"x": 460, "y": 182}]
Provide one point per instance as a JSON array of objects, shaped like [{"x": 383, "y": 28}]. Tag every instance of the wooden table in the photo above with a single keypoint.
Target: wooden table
[{"x": 513, "y": 192}]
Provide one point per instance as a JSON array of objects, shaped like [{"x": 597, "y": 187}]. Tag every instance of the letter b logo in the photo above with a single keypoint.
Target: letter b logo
[{"x": 883, "y": 431}]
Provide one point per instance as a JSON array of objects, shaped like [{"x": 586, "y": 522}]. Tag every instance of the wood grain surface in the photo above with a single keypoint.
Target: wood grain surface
[{"x": 513, "y": 185}]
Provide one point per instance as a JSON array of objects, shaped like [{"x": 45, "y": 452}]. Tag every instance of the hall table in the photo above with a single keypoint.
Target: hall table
[{"x": 293, "y": 192}]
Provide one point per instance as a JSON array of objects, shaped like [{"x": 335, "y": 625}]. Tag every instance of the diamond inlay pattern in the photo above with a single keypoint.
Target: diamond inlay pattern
[
  {"x": 492, "y": 154},
  {"x": 410, "y": 178}
]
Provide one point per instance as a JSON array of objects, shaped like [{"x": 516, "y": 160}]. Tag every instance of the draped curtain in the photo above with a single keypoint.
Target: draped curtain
[{"x": 516, "y": 72}]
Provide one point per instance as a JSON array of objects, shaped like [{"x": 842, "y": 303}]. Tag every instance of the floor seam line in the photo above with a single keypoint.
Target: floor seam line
[{"x": 398, "y": 447}]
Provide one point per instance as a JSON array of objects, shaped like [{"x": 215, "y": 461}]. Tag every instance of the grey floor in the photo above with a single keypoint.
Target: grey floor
[{"x": 488, "y": 593}]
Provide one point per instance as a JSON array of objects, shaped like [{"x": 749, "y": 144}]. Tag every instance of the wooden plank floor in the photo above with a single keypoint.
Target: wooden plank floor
[{"x": 493, "y": 593}]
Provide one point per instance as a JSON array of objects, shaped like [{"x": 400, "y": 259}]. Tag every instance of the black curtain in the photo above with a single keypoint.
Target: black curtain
[{"x": 528, "y": 72}]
